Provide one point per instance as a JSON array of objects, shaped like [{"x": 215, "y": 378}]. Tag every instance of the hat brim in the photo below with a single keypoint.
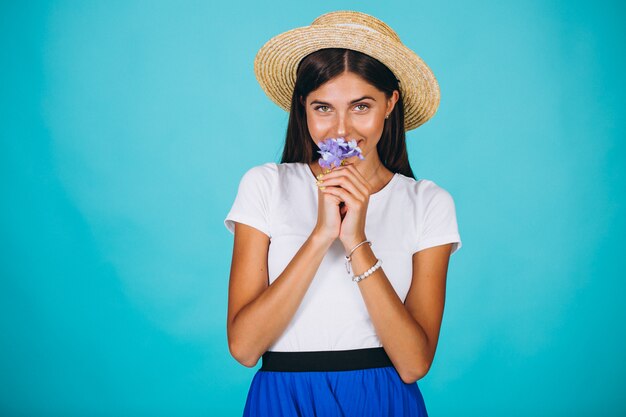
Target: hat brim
[{"x": 276, "y": 63}]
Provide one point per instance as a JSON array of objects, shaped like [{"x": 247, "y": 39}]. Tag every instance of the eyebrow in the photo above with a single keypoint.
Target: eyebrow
[{"x": 352, "y": 102}]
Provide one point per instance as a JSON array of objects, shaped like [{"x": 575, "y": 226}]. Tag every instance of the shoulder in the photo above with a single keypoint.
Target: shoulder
[
  {"x": 273, "y": 170},
  {"x": 422, "y": 191},
  {"x": 273, "y": 178},
  {"x": 258, "y": 181},
  {"x": 260, "y": 176},
  {"x": 266, "y": 170}
]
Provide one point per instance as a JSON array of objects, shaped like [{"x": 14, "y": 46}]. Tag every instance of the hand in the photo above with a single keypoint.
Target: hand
[
  {"x": 345, "y": 184},
  {"x": 328, "y": 215}
]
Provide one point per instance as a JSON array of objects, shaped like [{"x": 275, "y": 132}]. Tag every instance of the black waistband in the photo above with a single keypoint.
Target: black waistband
[{"x": 328, "y": 360}]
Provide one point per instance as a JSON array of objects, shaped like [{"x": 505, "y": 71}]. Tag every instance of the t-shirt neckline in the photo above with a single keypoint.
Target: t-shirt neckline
[{"x": 376, "y": 195}]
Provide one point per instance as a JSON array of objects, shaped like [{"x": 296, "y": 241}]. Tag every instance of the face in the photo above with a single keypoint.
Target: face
[{"x": 348, "y": 106}]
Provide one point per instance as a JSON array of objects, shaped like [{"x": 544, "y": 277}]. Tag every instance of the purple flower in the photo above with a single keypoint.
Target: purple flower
[{"x": 334, "y": 151}]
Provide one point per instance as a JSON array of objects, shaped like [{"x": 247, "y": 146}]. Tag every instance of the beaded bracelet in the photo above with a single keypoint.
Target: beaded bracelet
[{"x": 357, "y": 278}]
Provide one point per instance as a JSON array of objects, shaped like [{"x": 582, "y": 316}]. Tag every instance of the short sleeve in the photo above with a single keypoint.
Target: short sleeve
[
  {"x": 438, "y": 219},
  {"x": 252, "y": 205}
]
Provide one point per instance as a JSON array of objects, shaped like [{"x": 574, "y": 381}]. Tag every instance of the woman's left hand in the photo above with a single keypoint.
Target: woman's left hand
[{"x": 347, "y": 183}]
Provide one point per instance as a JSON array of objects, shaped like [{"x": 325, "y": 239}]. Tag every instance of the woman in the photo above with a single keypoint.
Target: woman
[{"x": 338, "y": 333}]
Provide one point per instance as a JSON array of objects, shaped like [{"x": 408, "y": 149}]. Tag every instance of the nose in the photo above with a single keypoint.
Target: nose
[{"x": 343, "y": 125}]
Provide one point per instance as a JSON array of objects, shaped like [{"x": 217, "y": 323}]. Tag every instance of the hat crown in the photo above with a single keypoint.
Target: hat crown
[
  {"x": 353, "y": 19},
  {"x": 276, "y": 63}
]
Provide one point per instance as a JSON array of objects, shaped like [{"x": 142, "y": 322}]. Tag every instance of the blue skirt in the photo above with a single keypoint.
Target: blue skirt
[{"x": 360, "y": 382}]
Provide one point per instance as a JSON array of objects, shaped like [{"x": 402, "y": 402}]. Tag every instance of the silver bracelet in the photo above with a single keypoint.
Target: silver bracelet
[
  {"x": 349, "y": 257},
  {"x": 357, "y": 278}
]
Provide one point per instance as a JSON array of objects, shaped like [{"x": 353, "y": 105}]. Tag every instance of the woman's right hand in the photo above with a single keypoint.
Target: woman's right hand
[{"x": 328, "y": 215}]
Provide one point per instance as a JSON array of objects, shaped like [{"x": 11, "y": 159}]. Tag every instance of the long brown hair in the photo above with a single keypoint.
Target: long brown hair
[{"x": 321, "y": 66}]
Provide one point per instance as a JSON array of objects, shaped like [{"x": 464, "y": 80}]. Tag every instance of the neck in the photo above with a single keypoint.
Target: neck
[{"x": 370, "y": 172}]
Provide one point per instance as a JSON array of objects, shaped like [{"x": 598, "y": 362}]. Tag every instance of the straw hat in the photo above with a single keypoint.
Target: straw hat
[{"x": 276, "y": 62}]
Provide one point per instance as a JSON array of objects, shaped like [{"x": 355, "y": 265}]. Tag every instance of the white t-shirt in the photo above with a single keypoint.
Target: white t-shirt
[{"x": 404, "y": 217}]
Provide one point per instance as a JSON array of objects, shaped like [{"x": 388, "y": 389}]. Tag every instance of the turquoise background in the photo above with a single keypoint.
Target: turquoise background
[{"x": 126, "y": 127}]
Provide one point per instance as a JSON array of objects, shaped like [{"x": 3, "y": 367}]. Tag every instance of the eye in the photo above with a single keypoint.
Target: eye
[
  {"x": 322, "y": 107},
  {"x": 365, "y": 106}
]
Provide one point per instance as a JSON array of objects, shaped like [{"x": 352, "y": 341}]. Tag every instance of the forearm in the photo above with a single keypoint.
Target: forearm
[
  {"x": 404, "y": 340},
  {"x": 257, "y": 326}
]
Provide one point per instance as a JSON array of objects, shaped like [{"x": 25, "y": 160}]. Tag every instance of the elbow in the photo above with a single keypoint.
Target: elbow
[
  {"x": 241, "y": 356},
  {"x": 411, "y": 379},
  {"x": 248, "y": 363},
  {"x": 415, "y": 373}
]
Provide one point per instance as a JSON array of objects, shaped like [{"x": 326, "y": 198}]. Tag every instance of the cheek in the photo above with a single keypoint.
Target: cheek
[
  {"x": 372, "y": 126},
  {"x": 317, "y": 126}
]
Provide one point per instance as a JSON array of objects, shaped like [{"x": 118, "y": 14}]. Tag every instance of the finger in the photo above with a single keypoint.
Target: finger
[
  {"x": 344, "y": 181},
  {"x": 343, "y": 195},
  {"x": 358, "y": 176},
  {"x": 322, "y": 194},
  {"x": 351, "y": 174},
  {"x": 353, "y": 169}
]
